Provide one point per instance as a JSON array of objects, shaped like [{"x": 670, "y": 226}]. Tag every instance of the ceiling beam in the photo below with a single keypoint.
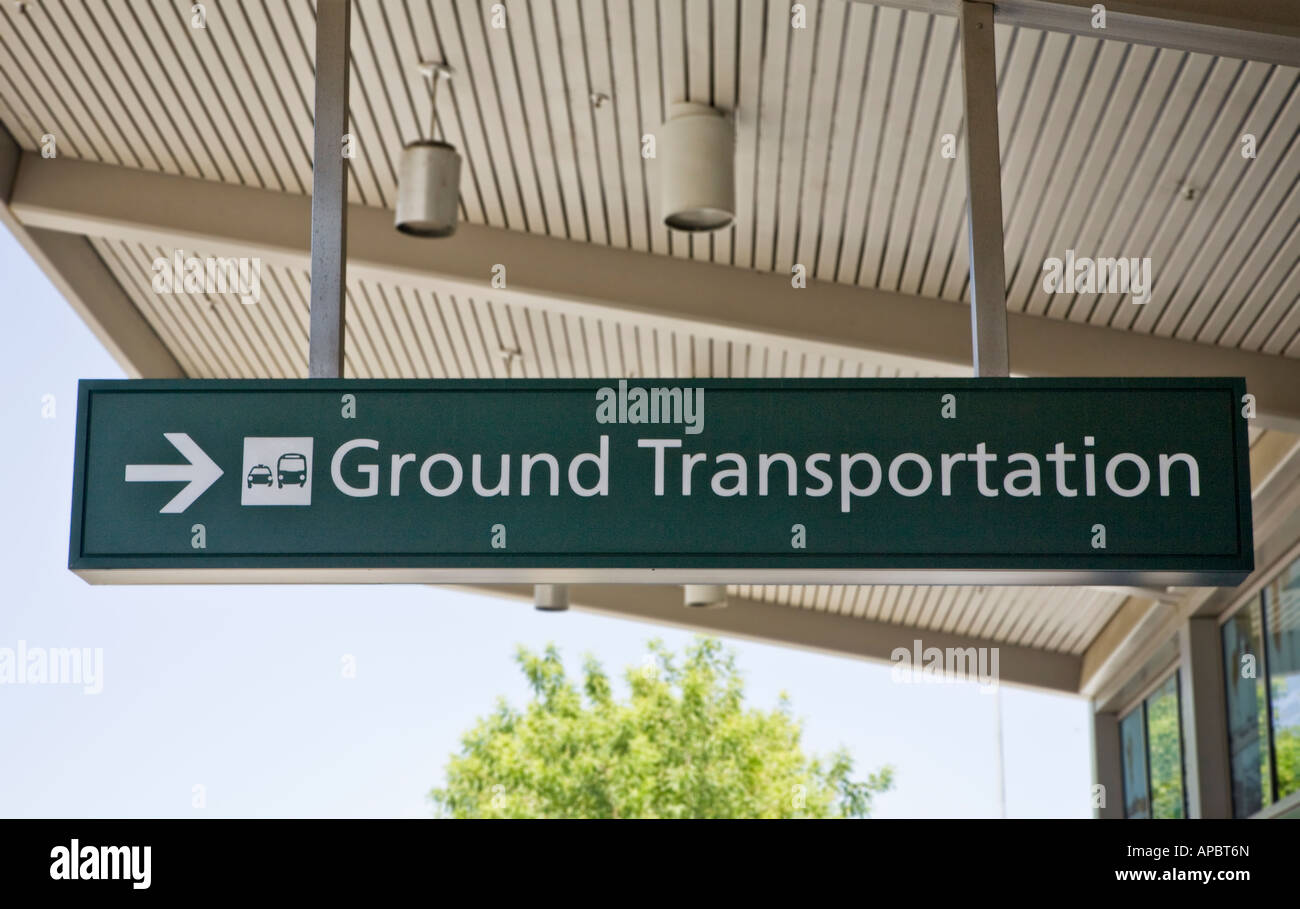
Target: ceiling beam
[
  {"x": 823, "y": 632},
  {"x": 1263, "y": 30},
  {"x": 76, "y": 271},
  {"x": 1142, "y": 625},
  {"x": 215, "y": 218}
]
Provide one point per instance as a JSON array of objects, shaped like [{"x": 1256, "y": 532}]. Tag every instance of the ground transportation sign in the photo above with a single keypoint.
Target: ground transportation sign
[{"x": 932, "y": 481}]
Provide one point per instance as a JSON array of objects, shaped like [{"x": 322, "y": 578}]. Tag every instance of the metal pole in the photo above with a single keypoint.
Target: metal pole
[
  {"x": 329, "y": 191},
  {"x": 988, "y": 312}
]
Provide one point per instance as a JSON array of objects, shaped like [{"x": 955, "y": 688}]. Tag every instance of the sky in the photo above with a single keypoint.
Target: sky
[{"x": 223, "y": 701}]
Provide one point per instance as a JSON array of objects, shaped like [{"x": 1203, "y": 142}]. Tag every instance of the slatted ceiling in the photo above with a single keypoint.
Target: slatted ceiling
[
  {"x": 907, "y": 606},
  {"x": 822, "y": 602},
  {"x": 841, "y": 599},
  {"x": 564, "y": 54},
  {"x": 1049, "y": 143},
  {"x": 1012, "y": 625},
  {"x": 963, "y": 618},
  {"x": 899, "y": 129},
  {"x": 1253, "y": 330},
  {"x": 835, "y": 601},
  {"x": 871, "y": 126},
  {"x": 1022, "y": 623},
  {"x": 994, "y": 600},
  {"x": 373, "y": 108},
  {"x": 462, "y": 30},
  {"x": 1086, "y": 634},
  {"x": 1075, "y": 127},
  {"x": 95, "y": 59},
  {"x": 749, "y": 53},
  {"x": 856, "y": 601},
  {"x": 794, "y": 54},
  {"x": 878, "y": 607},
  {"x": 1258, "y": 269},
  {"x": 836, "y": 159},
  {"x": 670, "y": 48},
  {"x": 946, "y": 256},
  {"x": 1216, "y": 171},
  {"x": 1288, "y": 295},
  {"x": 921, "y": 596},
  {"x": 395, "y": 330},
  {"x": 1197, "y": 108},
  {"x": 1054, "y": 634},
  {"x": 1058, "y": 619},
  {"x": 1207, "y": 81},
  {"x": 1281, "y": 282},
  {"x": 1217, "y": 165},
  {"x": 1133, "y": 98},
  {"x": 218, "y": 153},
  {"x": 941, "y": 606}
]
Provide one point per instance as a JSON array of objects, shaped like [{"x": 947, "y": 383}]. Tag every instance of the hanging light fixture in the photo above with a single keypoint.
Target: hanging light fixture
[
  {"x": 428, "y": 177},
  {"x": 697, "y": 168},
  {"x": 704, "y": 596},
  {"x": 551, "y": 597}
]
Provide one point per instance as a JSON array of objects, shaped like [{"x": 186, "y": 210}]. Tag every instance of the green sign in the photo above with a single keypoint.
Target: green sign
[{"x": 928, "y": 481}]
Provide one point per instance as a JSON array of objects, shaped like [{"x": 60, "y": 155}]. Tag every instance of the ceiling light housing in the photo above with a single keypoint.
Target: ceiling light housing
[
  {"x": 428, "y": 176},
  {"x": 706, "y": 596},
  {"x": 428, "y": 189},
  {"x": 551, "y": 597},
  {"x": 697, "y": 180}
]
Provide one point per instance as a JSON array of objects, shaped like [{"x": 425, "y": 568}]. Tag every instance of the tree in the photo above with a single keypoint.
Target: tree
[{"x": 683, "y": 745}]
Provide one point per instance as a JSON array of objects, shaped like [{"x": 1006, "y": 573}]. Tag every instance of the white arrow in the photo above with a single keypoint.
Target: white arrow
[{"x": 200, "y": 473}]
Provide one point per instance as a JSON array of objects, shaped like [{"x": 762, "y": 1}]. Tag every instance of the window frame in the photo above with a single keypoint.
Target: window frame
[
  {"x": 1254, "y": 595},
  {"x": 1139, "y": 702}
]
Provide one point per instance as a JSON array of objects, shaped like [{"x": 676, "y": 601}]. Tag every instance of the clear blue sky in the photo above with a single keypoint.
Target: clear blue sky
[{"x": 240, "y": 689}]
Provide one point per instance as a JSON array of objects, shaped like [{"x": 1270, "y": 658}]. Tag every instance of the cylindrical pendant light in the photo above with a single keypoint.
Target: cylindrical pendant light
[
  {"x": 706, "y": 595},
  {"x": 551, "y": 597},
  {"x": 696, "y": 154},
  {"x": 428, "y": 176}
]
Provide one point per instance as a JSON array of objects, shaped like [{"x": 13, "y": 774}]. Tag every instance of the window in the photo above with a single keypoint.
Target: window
[
  {"x": 1151, "y": 740},
  {"x": 1243, "y": 642},
  {"x": 1261, "y": 654},
  {"x": 1165, "y": 750},
  {"x": 1133, "y": 741}
]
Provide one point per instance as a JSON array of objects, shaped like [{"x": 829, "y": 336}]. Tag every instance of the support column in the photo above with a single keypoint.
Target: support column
[
  {"x": 329, "y": 191},
  {"x": 1205, "y": 719},
  {"x": 989, "y": 348},
  {"x": 1107, "y": 767}
]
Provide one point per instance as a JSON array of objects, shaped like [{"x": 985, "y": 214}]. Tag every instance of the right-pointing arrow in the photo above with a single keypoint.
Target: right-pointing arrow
[{"x": 200, "y": 473}]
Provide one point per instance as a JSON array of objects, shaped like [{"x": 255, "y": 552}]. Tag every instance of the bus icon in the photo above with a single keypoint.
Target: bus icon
[
  {"x": 277, "y": 470},
  {"x": 291, "y": 468}
]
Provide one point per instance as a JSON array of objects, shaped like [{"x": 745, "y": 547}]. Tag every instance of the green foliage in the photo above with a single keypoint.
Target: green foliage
[
  {"x": 1287, "y": 745},
  {"x": 1165, "y": 746},
  {"x": 682, "y": 746}
]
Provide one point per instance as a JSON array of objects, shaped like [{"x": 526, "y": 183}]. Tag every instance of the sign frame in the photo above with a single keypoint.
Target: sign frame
[{"x": 506, "y": 567}]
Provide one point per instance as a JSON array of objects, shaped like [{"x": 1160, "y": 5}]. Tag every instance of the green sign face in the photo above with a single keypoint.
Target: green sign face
[{"x": 1022, "y": 481}]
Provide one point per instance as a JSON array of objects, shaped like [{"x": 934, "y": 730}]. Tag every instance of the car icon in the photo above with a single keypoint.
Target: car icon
[
  {"x": 260, "y": 476},
  {"x": 292, "y": 469}
]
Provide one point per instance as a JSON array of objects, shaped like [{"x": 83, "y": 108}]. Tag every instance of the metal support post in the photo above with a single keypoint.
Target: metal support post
[
  {"x": 989, "y": 348},
  {"x": 329, "y": 191}
]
